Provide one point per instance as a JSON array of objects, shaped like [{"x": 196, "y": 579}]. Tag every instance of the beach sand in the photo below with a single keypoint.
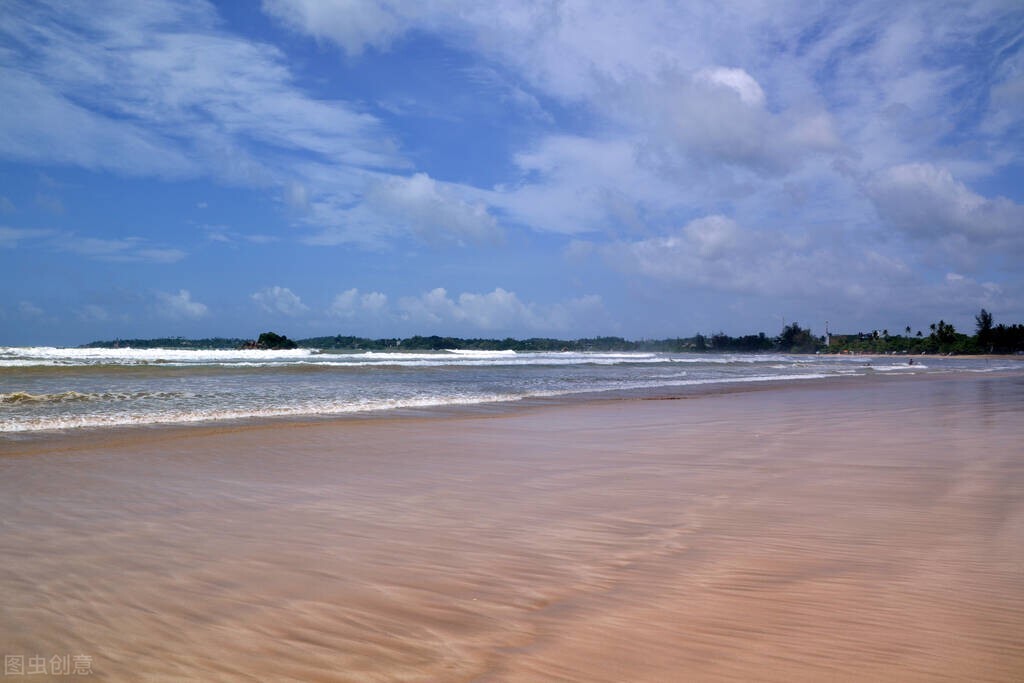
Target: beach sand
[{"x": 861, "y": 529}]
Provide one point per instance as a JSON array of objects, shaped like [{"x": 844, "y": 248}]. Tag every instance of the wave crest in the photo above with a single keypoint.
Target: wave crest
[{"x": 61, "y": 397}]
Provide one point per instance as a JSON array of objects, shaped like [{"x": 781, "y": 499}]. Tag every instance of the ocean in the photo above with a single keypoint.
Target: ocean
[{"x": 45, "y": 388}]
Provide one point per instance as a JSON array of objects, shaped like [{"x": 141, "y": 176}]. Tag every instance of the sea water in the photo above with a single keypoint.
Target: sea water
[{"x": 44, "y": 388}]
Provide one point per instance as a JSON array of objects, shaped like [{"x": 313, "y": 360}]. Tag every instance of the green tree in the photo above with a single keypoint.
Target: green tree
[
  {"x": 944, "y": 333},
  {"x": 984, "y": 329},
  {"x": 796, "y": 339},
  {"x": 272, "y": 340}
]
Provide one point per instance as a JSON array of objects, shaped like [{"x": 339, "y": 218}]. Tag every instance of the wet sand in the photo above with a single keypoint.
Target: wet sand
[{"x": 842, "y": 530}]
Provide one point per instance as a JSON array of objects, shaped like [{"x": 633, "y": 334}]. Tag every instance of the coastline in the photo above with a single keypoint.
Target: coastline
[
  {"x": 71, "y": 439},
  {"x": 64, "y": 392},
  {"x": 846, "y": 529}
]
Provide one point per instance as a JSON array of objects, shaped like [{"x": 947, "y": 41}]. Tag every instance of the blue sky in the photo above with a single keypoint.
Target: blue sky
[{"x": 645, "y": 169}]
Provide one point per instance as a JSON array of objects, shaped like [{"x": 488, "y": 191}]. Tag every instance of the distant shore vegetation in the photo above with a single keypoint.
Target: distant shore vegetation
[{"x": 939, "y": 338}]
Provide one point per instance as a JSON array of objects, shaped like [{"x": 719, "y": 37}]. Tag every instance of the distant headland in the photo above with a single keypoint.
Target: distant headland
[{"x": 941, "y": 339}]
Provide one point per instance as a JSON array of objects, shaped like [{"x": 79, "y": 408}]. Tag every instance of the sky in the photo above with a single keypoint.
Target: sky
[{"x": 491, "y": 169}]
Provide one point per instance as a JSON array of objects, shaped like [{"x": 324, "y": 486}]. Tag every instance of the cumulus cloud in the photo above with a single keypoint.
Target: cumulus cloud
[
  {"x": 712, "y": 250},
  {"x": 280, "y": 300},
  {"x": 718, "y": 117},
  {"x": 351, "y": 303},
  {"x": 498, "y": 310},
  {"x": 714, "y": 236},
  {"x": 716, "y": 254},
  {"x": 925, "y": 201},
  {"x": 374, "y": 302},
  {"x": 431, "y": 210},
  {"x": 575, "y": 184},
  {"x": 384, "y": 209},
  {"x": 180, "y": 305}
]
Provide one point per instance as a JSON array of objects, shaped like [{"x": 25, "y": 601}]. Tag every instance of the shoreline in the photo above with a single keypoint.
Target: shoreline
[
  {"x": 832, "y": 530},
  {"x": 67, "y": 439}
]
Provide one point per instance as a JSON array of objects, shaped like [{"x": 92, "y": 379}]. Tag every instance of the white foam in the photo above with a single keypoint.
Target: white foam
[
  {"x": 53, "y": 356},
  {"x": 123, "y": 419},
  {"x": 311, "y": 409},
  {"x": 898, "y": 368},
  {"x": 48, "y": 355},
  {"x": 481, "y": 353}
]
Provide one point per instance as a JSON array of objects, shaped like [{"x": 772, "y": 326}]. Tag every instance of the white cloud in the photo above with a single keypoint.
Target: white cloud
[
  {"x": 126, "y": 250},
  {"x": 706, "y": 251},
  {"x": 181, "y": 305},
  {"x": 432, "y": 210},
  {"x": 500, "y": 88},
  {"x": 790, "y": 128},
  {"x": 499, "y": 310},
  {"x": 48, "y": 128},
  {"x": 926, "y": 201},
  {"x": 93, "y": 313},
  {"x": 350, "y": 303},
  {"x": 1006, "y": 101},
  {"x": 280, "y": 300},
  {"x": 29, "y": 310},
  {"x": 716, "y": 254},
  {"x": 11, "y": 237},
  {"x": 714, "y": 236},
  {"x": 225, "y": 235},
  {"x": 159, "y": 89},
  {"x": 374, "y": 302},
  {"x": 737, "y": 80},
  {"x": 705, "y": 93},
  {"x": 718, "y": 118},
  {"x": 576, "y": 184},
  {"x": 354, "y": 24}
]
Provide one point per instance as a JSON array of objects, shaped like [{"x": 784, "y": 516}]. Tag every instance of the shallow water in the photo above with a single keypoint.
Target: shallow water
[{"x": 45, "y": 388}]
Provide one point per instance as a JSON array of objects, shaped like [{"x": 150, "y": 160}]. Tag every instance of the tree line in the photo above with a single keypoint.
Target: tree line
[{"x": 942, "y": 338}]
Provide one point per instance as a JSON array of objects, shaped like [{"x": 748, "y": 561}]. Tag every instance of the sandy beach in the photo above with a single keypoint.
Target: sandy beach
[{"x": 861, "y": 529}]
